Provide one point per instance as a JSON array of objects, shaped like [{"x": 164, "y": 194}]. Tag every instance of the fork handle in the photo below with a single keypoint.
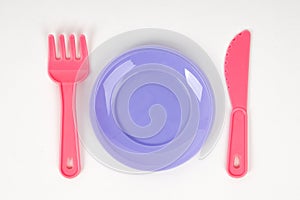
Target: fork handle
[
  {"x": 237, "y": 161},
  {"x": 69, "y": 152}
]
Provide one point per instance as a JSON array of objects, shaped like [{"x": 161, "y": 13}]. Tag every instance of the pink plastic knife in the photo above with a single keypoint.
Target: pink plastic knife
[{"x": 236, "y": 73}]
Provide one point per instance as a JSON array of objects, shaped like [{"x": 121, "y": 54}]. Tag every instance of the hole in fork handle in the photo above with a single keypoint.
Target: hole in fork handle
[{"x": 70, "y": 163}]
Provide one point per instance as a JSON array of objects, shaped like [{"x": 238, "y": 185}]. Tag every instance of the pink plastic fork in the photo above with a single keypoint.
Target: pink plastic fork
[{"x": 67, "y": 71}]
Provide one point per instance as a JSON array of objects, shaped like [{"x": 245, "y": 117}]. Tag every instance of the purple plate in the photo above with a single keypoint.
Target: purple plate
[{"x": 151, "y": 108}]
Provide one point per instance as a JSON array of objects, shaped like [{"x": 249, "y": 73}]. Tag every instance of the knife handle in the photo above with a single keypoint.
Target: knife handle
[{"x": 237, "y": 161}]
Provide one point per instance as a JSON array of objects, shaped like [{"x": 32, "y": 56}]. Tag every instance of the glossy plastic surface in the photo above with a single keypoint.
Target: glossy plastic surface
[
  {"x": 67, "y": 71},
  {"x": 236, "y": 73},
  {"x": 152, "y": 109}
]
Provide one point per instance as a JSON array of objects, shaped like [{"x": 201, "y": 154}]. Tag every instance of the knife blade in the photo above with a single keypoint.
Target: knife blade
[{"x": 236, "y": 74}]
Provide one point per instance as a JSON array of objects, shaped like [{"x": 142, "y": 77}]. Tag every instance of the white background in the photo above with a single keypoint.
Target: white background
[{"x": 30, "y": 101}]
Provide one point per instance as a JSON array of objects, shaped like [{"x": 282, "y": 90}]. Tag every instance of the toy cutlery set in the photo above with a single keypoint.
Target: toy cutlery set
[{"x": 149, "y": 100}]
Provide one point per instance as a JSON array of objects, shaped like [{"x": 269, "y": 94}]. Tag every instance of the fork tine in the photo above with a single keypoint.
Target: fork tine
[
  {"x": 83, "y": 47},
  {"x": 72, "y": 46},
  {"x": 51, "y": 47},
  {"x": 62, "y": 45}
]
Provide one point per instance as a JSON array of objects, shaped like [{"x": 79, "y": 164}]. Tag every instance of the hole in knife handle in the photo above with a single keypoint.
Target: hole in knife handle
[
  {"x": 70, "y": 163},
  {"x": 236, "y": 161}
]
